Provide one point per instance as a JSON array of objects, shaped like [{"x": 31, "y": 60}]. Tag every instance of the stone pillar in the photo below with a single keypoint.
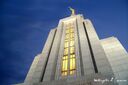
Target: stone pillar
[
  {"x": 41, "y": 65},
  {"x": 32, "y": 70},
  {"x": 51, "y": 66},
  {"x": 86, "y": 61},
  {"x": 101, "y": 60}
]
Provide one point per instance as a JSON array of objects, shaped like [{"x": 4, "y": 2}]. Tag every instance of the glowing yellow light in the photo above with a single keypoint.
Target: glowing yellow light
[
  {"x": 69, "y": 52},
  {"x": 67, "y": 36},
  {"x": 64, "y": 65},
  {"x": 72, "y": 50},
  {"x": 66, "y": 51},
  {"x": 72, "y": 72},
  {"x": 71, "y": 35},
  {"x": 64, "y": 73},
  {"x": 67, "y": 31},
  {"x": 72, "y": 43},
  {"x": 73, "y": 63},
  {"x": 71, "y": 30},
  {"x": 66, "y": 44}
]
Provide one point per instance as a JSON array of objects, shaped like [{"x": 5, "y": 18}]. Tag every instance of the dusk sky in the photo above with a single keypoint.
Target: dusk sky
[{"x": 25, "y": 24}]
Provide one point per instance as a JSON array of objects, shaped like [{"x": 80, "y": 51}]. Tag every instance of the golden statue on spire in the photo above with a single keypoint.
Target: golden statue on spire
[{"x": 72, "y": 11}]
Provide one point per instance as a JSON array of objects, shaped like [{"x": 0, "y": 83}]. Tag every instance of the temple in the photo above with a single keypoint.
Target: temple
[{"x": 74, "y": 55}]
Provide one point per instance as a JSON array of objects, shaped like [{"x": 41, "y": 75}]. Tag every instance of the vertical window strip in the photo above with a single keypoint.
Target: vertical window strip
[{"x": 69, "y": 52}]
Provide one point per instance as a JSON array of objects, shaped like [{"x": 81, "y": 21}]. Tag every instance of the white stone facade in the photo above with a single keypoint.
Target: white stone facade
[{"x": 94, "y": 57}]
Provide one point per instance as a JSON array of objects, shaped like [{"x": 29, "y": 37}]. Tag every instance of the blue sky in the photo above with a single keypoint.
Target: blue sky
[{"x": 24, "y": 27}]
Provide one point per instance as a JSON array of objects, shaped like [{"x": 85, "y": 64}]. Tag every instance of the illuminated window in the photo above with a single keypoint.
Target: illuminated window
[
  {"x": 72, "y": 50},
  {"x": 72, "y": 43},
  {"x": 71, "y": 30},
  {"x": 65, "y": 57},
  {"x": 72, "y": 39},
  {"x": 64, "y": 73},
  {"x": 71, "y": 35},
  {"x": 66, "y": 36},
  {"x": 66, "y": 44},
  {"x": 64, "y": 65},
  {"x": 66, "y": 51},
  {"x": 69, "y": 58},
  {"x": 67, "y": 31},
  {"x": 72, "y": 64}
]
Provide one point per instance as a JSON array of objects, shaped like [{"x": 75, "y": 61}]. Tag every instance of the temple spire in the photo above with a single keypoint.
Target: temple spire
[{"x": 72, "y": 11}]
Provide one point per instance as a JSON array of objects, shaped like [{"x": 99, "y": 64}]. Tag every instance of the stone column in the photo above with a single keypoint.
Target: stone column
[{"x": 41, "y": 65}]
